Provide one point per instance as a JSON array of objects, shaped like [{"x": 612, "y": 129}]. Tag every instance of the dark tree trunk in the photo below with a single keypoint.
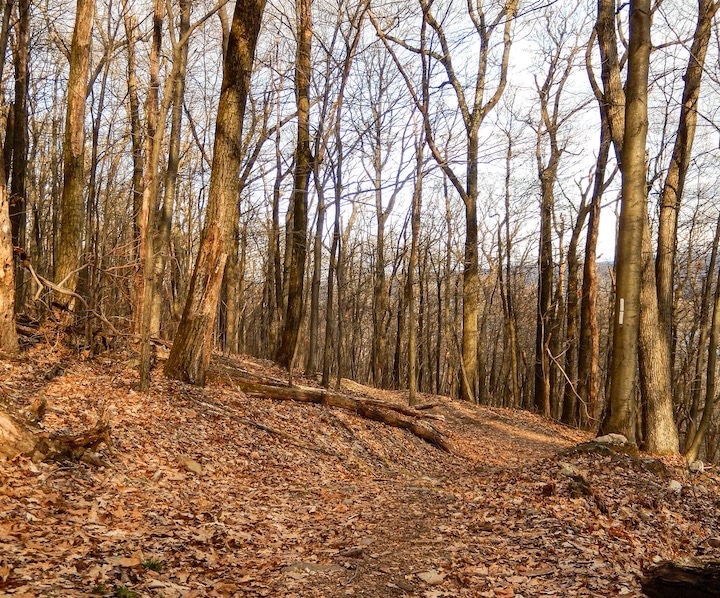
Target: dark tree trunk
[{"x": 298, "y": 235}]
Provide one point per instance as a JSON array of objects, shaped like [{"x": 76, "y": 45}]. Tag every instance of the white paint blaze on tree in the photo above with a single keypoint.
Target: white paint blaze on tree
[{"x": 622, "y": 410}]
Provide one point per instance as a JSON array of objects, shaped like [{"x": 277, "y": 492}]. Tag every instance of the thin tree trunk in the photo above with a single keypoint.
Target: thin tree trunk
[
  {"x": 589, "y": 343},
  {"x": 693, "y": 450},
  {"x": 135, "y": 126},
  {"x": 704, "y": 324},
  {"x": 162, "y": 250},
  {"x": 412, "y": 267},
  {"x": 146, "y": 223},
  {"x": 18, "y": 171},
  {"x": 678, "y": 168},
  {"x": 298, "y": 235}
]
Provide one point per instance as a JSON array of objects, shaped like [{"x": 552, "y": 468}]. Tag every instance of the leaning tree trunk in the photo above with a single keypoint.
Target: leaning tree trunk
[{"x": 190, "y": 355}]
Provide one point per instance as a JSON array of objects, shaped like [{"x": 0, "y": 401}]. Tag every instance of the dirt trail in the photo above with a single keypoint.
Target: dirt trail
[{"x": 338, "y": 506}]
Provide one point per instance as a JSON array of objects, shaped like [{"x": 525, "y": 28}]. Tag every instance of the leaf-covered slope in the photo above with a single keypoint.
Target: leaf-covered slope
[{"x": 229, "y": 495}]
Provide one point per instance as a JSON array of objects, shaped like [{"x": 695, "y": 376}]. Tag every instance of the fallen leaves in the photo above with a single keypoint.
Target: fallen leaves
[{"x": 230, "y": 508}]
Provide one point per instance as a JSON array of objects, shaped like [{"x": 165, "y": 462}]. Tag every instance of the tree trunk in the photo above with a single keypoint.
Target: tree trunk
[
  {"x": 412, "y": 268},
  {"x": 298, "y": 235},
  {"x": 704, "y": 325},
  {"x": 190, "y": 354},
  {"x": 589, "y": 344},
  {"x": 18, "y": 171},
  {"x": 678, "y": 167},
  {"x": 622, "y": 411},
  {"x": 73, "y": 205},
  {"x": 135, "y": 126},
  {"x": 180, "y": 53},
  {"x": 543, "y": 327},
  {"x": 147, "y": 216},
  {"x": 693, "y": 450},
  {"x": 655, "y": 370},
  {"x": 8, "y": 334}
]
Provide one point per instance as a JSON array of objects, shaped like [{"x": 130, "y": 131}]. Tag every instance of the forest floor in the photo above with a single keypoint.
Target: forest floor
[{"x": 208, "y": 492}]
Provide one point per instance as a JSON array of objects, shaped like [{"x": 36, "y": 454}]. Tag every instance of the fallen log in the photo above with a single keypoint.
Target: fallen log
[
  {"x": 19, "y": 438},
  {"x": 386, "y": 413},
  {"x": 689, "y": 578}
]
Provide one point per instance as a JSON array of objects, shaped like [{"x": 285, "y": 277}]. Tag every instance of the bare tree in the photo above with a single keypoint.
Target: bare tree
[
  {"x": 72, "y": 210},
  {"x": 190, "y": 355},
  {"x": 475, "y": 101},
  {"x": 622, "y": 409}
]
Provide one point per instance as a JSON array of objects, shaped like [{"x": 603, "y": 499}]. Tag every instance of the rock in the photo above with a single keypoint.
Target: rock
[
  {"x": 432, "y": 577},
  {"x": 613, "y": 439},
  {"x": 191, "y": 466},
  {"x": 675, "y": 486},
  {"x": 570, "y": 470},
  {"x": 697, "y": 466},
  {"x": 300, "y": 566}
]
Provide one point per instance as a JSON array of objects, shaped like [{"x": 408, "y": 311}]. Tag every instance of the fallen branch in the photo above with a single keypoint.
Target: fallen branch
[{"x": 386, "y": 413}]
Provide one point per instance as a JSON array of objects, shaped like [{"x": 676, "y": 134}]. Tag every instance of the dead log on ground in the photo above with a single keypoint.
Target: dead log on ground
[
  {"x": 386, "y": 413},
  {"x": 20, "y": 438},
  {"x": 689, "y": 578}
]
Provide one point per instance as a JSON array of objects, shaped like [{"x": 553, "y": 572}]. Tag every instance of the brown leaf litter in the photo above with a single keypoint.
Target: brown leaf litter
[{"x": 210, "y": 493}]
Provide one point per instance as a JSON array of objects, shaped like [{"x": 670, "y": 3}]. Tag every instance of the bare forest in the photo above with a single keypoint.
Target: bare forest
[
  {"x": 491, "y": 228},
  {"x": 414, "y": 196}
]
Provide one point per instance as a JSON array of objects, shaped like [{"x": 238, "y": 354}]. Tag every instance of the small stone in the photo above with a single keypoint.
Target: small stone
[
  {"x": 697, "y": 466},
  {"x": 613, "y": 439},
  {"x": 675, "y": 486},
  {"x": 431, "y": 577}
]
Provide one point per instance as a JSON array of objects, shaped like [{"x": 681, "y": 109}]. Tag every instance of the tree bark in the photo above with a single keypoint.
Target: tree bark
[
  {"x": 622, "y": 411},
  {"x": 298, "y": 235},
  {"x": 8, "y": 334},
  {"x": 18, "y": 170},
  {"x": 190, "y": 354},
  {"x": 661, "y": 434},
  {"x": 72, "y": 203}
]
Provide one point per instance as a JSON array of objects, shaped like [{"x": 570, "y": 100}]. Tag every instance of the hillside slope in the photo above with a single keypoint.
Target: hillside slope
[{"x": 235, "y": 496}]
